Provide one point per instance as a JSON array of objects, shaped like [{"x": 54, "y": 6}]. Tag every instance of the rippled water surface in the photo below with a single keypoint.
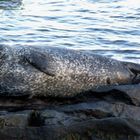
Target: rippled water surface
[{"x": 108, "y": 27}]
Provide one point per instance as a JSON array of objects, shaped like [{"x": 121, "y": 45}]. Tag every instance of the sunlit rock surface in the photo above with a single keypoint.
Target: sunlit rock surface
[{"x": 112, "y": 115}]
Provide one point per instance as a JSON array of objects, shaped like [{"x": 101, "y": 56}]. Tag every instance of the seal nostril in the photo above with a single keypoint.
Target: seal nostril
[{"x": 108, "y": 81}]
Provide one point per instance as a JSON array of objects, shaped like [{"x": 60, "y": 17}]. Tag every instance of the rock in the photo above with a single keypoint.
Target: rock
[{"x": 113, "y": 115}]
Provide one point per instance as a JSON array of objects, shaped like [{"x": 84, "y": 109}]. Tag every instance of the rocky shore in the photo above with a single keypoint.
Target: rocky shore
[{"x": 110, "y": 115}]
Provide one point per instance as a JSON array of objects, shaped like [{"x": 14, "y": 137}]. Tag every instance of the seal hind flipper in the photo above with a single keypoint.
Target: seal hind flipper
[
  {"x": 41, "y": 61},
  {"x": 135, "y": 69}
]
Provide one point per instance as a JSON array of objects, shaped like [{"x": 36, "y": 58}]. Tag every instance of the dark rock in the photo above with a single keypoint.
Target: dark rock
[{"x": 112, "y": 115}]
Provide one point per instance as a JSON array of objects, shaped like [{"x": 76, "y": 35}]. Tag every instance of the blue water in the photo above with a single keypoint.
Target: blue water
[{"x": 107, "y": 27}]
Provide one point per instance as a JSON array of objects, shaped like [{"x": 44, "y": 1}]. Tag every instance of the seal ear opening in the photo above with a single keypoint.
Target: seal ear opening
[{"x": 41, "y": 61}]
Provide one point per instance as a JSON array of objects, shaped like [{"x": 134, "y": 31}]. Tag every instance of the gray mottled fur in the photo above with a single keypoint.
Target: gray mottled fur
[{"x": 47, "y": 71}]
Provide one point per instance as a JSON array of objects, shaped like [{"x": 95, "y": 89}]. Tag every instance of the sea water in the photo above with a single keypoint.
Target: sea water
[{"x": 105, "y": 27}]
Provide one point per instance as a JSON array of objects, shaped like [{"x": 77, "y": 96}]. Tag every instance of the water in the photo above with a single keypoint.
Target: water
[{"x": 107, "y": 27}]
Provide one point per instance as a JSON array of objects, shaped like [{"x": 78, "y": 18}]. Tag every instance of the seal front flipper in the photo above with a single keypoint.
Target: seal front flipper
[
  {"x": 135, "y": 69},
  {"x": 42, "y": 61}
]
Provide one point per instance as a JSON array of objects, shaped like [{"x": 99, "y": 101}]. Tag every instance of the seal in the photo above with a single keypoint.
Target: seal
[{"x": 59, "y": 72}]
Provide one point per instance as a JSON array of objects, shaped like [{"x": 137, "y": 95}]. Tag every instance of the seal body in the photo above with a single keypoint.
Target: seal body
[{"x": 48, "y": 71}]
